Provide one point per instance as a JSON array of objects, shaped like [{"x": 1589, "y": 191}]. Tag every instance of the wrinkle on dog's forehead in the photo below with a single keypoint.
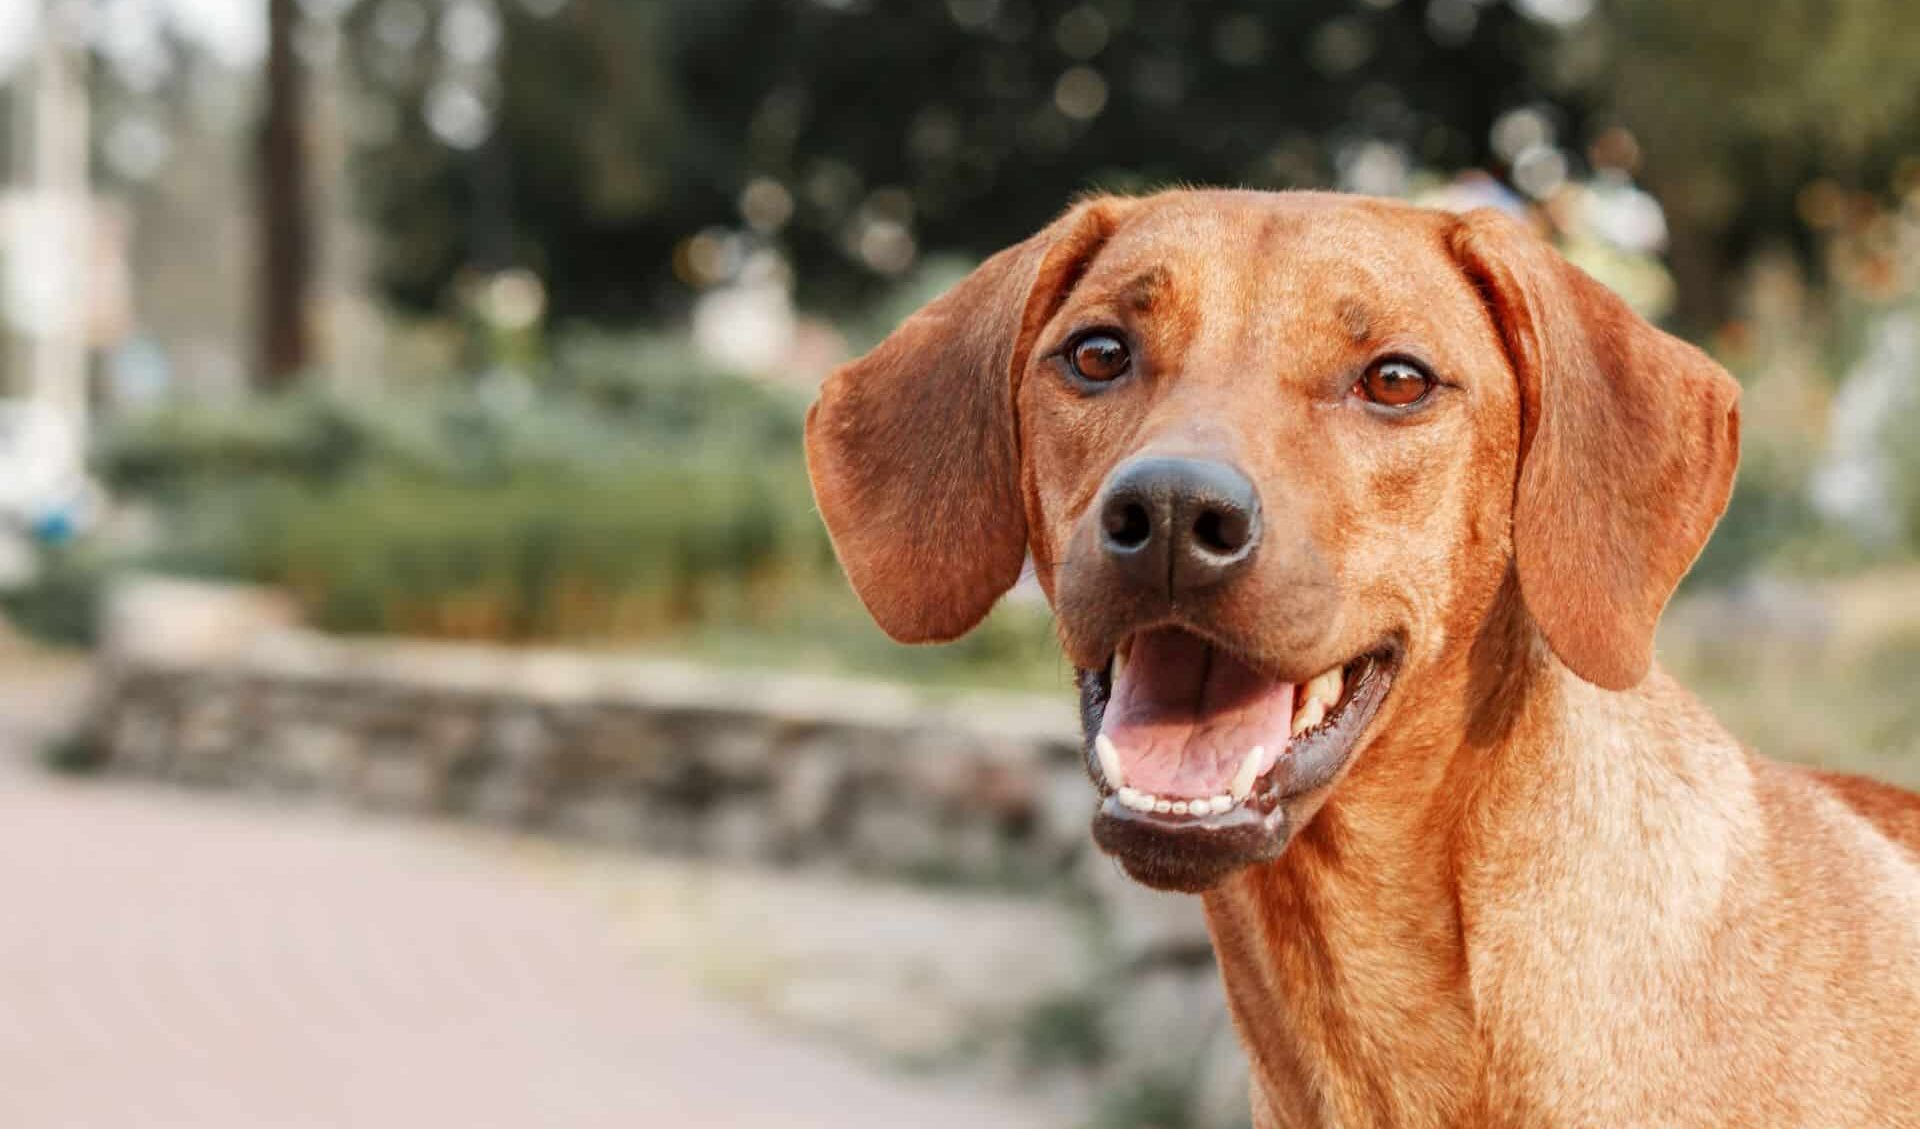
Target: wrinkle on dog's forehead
[
  {"x": 1295, "y": 278},
  {"x": 1356, "y": 319},
  {"x": 1145, "y": 289}
]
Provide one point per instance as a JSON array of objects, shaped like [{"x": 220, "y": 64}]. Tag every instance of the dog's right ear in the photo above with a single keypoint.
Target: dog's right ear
[{"x": 914, "y": 450}]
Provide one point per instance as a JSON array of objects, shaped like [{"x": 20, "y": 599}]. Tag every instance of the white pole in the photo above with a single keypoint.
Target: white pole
[{"x": 59, "y": 215}]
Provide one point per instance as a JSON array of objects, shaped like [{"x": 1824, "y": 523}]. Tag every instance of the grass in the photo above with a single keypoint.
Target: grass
[{"x": 1013, "y": 650}]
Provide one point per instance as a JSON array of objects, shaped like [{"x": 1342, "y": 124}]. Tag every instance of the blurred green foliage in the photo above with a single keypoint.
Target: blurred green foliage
[
  {"x": 617, "y": 130},
  {"x": 73, "y": 754},
  {"x": 1745, "y": 112},
  {"x": 623, "y": 128},
  {"x": 1157, "y": 1101},
  {"x": 617, "y": 550},
  {"x": 1759, "y": 683},
  {"x": 1067, "y": 1030},
  {"x": 1770, "y": 519},
  {"x": 623, "y": 496},
  {"x": 630, "y": 495},
  {"x": 61, "y": 603}
]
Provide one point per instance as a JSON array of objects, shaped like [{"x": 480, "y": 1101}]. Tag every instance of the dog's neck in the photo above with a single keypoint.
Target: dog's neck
[{"x": 1361, "y": 967}]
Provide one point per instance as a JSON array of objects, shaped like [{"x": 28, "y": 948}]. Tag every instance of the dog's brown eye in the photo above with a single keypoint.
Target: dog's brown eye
[
  {"x": 1099, "y": 357},
  {"x": 1395, "y": 384}
]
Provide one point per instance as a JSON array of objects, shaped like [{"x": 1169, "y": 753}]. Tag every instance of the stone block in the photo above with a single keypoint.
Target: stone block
[
  {"x": 391, "y": 780},
  {"x": 740, "y": 830},
  {"x": 312, "y": 757}
]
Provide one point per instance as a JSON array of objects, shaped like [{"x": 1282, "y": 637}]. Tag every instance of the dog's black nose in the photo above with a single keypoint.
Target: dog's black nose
[{"x": 1178, "y": 525}]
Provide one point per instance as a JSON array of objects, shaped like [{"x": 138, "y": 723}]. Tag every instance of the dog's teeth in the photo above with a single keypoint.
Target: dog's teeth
[
  {"x": 1311, "y": 714},
  {"x": 1242, "y": 786},
  {"x": 1317, "y": 699},
  {"x": 1119, "y": 665},
  {"x": 1325, "y": 688},
  {"x": 1137, "y": 800},
  {"x": 1110, "y": 761}
]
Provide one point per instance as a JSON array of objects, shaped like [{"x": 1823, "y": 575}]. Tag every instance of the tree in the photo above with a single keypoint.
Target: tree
[
  {"x": 286, "y": 219},
  {"x": 853, "y": 134},
  {"x": 1738, "y": 105}
]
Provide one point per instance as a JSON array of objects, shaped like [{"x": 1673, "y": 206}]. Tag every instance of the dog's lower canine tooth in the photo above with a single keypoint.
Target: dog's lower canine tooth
[
  {"x": 1221, "y": 805},
  {"x": 1249, "y": 772},
  {"x": 1110, "y": 761}
]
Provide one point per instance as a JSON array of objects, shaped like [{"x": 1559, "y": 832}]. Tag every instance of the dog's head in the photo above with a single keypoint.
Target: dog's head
[{"x": 1274, "y": 457}]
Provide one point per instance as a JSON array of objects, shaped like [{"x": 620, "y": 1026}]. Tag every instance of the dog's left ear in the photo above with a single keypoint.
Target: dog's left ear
[
  {"x": 1629, "y": 438},
  {"x": 914, "y": 450}
]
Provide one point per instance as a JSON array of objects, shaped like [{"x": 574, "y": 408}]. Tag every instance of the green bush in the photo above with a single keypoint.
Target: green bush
[
  {"x": 61, "y": 604},
  {"x": 626, "y": 494},
  {"x": 1156, "y": 1101},
  {"x": 73, "y": 754},
  {"x": 658, "y": 387},
  {"x": 1769, "y": 517},
  {"x": 171, "y": 451},
  {"x": 1067, "y": 1030},
  {"x": 629, "y": 549}
]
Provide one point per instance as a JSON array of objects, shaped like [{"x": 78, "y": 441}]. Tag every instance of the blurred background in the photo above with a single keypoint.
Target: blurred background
[{"x": 428, "y": 691}]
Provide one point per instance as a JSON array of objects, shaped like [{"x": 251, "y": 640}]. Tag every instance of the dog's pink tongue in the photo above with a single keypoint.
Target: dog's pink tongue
[{"x": 1184, "y": 713}]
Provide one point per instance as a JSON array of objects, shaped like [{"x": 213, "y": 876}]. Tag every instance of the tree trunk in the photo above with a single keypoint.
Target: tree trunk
[
  {"x": 1702, "y": 275},
  {"x": 286, "y": 235}
]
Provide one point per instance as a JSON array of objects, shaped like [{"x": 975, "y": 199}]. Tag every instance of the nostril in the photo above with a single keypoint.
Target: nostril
[
  {"x": 1127, "y": 525},
  {"x": 1173, "y": 526},
  {"x": 1223, "y": 532}
]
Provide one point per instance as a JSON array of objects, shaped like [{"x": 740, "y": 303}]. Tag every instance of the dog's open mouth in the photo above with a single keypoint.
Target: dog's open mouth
[{"x": 1183, "y": 733}]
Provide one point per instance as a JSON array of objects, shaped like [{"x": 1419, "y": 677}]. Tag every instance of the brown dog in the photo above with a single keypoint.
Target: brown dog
[{"x": 1357, "y": 520}]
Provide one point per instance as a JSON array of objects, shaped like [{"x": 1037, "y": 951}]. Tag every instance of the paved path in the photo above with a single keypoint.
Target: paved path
[{"x": 170, "y": 959}]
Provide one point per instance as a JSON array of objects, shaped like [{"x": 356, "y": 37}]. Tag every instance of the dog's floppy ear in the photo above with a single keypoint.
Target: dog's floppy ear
[
  {"x": 1629, "y": 439},
  {"x": 914, "y": 450}
]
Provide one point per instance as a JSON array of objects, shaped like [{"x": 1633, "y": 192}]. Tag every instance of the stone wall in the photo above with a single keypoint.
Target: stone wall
[{"x": 659, "y": 755}]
